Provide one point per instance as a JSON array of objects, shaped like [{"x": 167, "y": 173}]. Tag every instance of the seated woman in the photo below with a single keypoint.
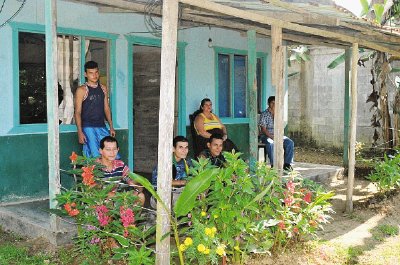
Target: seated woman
[{"x": 207, "y": 123}]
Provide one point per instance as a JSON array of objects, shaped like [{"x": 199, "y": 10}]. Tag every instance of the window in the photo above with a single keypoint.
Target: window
[
  {"x": 232, "y": 84},
  {"x": 32, "y": 73}
]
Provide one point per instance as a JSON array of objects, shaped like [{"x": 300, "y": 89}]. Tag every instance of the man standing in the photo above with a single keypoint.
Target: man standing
[
  {"x": 266, "y": 124},
  {"x": 91, "y": 109},
  {"x": 214, "y": 151}
]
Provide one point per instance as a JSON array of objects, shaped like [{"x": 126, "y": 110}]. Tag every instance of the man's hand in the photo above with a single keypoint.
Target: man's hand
[
  {"x": 112, "y": 132},
  {"x": 81, "y": 138}
]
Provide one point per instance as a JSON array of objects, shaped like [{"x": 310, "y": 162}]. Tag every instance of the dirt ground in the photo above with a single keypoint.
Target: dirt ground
[{"x": 348, "y": 239}]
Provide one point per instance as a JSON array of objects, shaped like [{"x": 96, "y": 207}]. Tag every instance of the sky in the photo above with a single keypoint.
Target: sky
[{"x": 352, "y": 5}]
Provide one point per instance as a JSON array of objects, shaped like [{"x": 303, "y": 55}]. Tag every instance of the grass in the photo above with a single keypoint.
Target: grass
[
  {"x": 381, "y": 232},
  {"x": 11, "y": 254}
]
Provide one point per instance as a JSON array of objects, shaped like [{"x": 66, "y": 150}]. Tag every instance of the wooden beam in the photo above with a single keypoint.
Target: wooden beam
[
  {"x": 166, "y": 126},
  {"x": 353, "y": 129},
  {"x": 53, "y": 142},
  {"x": 278, "y": 82},
  {"x": 252, "y": 91},
  {"x": 251, "y": 16}
]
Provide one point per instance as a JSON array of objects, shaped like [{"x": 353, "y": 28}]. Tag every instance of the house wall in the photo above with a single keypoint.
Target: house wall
[
  {"x": 316, "y": 100},
  {"x": 23, "y": 152}
]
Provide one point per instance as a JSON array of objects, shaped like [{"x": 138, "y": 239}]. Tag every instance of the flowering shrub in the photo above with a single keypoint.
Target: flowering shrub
[
  {"x": 241, "y": 212},
  {"x": 106, "y": 222}
]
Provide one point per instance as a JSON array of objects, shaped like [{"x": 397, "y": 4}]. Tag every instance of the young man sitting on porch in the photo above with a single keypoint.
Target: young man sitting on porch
[
  {"x": 115, "y": 170},
  {"x": 214, "y": 150},
  {"x": 266, "y": 124},
  {"x": 180, "y": 168}
]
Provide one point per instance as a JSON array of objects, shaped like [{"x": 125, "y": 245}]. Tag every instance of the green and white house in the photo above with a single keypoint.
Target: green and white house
[{"x": 211, "y": 62}]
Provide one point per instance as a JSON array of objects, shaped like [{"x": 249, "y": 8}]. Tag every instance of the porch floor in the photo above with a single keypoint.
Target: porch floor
[{"x": 32, "y": 219}]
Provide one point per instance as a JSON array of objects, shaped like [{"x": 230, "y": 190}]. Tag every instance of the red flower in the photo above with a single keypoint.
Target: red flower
[
  {"x": 281, "y": 225},
  {"x": 67, "y": 207},
  {"x": 288, "y": 201},
  {"x": 290, "y": 186},
  {"x": 73, "y": 157},
  {"x": 126, "y": 233},
  {"x": 307, "y": 198},
  {"x": 127, "y": 216},
  {"x": 102, "y": 216},
  {"x": 87, "y": 175},
  {"x": 73, "y": 212},
  {"x": 295, "y": 230}
]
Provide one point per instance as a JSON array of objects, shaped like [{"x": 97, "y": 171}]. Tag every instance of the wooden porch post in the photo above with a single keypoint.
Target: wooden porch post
[
  {"x": 278, "y": 83},
  {"x": 347, "y": 73},
  {"x": 353, "y": 127},
  {"x": 252, "y": 90},
  {"x": 166, "y": 123},
  {"x": 52, "y": 106}
]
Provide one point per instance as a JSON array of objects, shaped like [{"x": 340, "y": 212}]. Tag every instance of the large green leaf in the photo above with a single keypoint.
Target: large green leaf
[
  {"x": 261, "y": 194},
  {"x": 378, "y": 8},
  {"x": 145, "y": 183},
  {"x": 365, "y": 7},
  {"x": 337, "y": 61},
  {"x": 193, "y": 188}
]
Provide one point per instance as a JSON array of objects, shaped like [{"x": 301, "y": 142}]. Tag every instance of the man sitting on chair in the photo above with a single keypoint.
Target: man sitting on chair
[
  {"x": 266, "y": 124},
  {"x": 180, "y": 168}
]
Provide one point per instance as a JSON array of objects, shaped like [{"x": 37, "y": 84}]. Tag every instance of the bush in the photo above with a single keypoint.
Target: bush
[{"x": 386, "y": 175}]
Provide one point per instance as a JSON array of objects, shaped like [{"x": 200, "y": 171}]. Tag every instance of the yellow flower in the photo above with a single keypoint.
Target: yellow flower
[
  {"x": 208, "y": 231},
  {"x": 207, "y": 251},
  {"x": 188, "y": 241},
  {"x": 203, "y": 213},
  {"x": 216, "y": 216},
  {"x": 201, "y": 248},
  {"x": 182, "y": 247},
  {"x": 214, "y": 230},
  {"x": 220, "y": 250},
  {"x": 237, "y": 248}
]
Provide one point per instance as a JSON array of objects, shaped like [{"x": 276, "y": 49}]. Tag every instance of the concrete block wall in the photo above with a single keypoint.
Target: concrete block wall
[{"x": 316, "y": 99}]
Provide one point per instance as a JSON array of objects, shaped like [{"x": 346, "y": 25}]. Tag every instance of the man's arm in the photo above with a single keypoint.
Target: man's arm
[
  {"x": 107, "y": 112},
  {"x": 178, "y": 182},
  {"x": 79, "y": 95},
  {"x": 264, "y": 124}
]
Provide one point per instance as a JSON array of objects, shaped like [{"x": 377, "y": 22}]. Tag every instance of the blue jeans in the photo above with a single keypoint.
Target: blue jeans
[
  {"x": 93, "y": 137},
  {"x": 288, "y": 148}
]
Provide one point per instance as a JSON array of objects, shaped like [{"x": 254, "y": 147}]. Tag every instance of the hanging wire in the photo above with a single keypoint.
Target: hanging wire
[
  {"x": 14, "y": 15},
  {"x": 1, "y": 8},
  {"x": 152, "y": 21}
]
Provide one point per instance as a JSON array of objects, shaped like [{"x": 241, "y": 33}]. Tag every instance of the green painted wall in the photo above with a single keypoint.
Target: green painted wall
[
  {"x": 24, "y": 166},
  {"x": 238, "y": 133}
]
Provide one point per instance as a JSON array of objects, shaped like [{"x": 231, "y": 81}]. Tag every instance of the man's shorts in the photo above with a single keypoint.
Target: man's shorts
[{"x": 93, "y": 137}]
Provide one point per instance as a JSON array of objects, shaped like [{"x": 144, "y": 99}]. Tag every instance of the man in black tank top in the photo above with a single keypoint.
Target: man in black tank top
[{"x": 91, "y": 109}]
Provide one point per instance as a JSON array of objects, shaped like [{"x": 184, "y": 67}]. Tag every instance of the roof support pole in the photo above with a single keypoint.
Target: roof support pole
[
  {"x": 166, "y": 126},
  {"x": 353, "y": 127},
  {"x": 52, "y": 106},
  {"x": 347, "y": 73},
  {"x": 278, "y": 83},
  {"x": 252, "y": 90}
]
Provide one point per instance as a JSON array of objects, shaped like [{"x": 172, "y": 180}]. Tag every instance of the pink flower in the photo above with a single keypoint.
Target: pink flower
[
  {"x": 290, "y": 186},
  {"x": 95, "y": 240},
  {"x": 307, "y": 198},
  {"x": 102, "y": 216},
  {"x": 281, "y": 225},
  {"x": 295, "y": 230},
  {"x": 127, "y": 216},
  {"x": 288, "y": 201}
]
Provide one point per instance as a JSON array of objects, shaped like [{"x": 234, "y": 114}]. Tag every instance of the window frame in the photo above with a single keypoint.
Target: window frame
[
  {"x": 18, "y": 27},
  {"x": 231, "y": 53}
]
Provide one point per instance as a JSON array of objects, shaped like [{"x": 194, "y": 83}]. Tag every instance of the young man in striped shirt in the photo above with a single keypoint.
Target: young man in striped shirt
[{"x": 115, "y": 170}]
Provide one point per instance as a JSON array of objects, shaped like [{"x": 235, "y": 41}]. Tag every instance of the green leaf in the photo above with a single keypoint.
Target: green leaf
[
  {"x": 193, "y": 188},
  {"x": 124, "y": 242},
  {"x": 261, "y": 194},
  {"x": 365, "y": 7},
  {"x": 395, "y": 70},
  {"x": 378, "y": 8},
  {"x": 337, "y": 61}
]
